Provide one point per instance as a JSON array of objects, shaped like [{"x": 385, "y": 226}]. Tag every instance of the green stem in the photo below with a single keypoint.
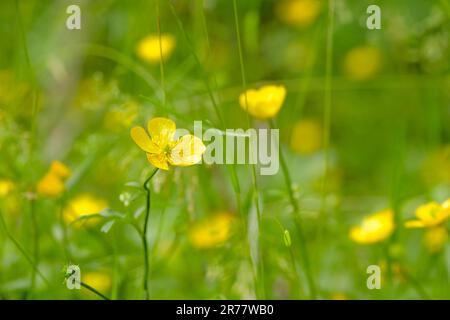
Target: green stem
[
  {"x": 232, "y": 172},
  {"x": 35, "y": 233},
  {"x": 253, "y": 167},
  {"x": 298, "y": 226},
  {"x": 161, "y": 60},
  {"x": 327, "y": 98},
  {"x": 417, "y": 286},
  {"x": 93, "y": 290},
  {"x": 144, "y": 234},
  {"x": 21, "y": 249}
]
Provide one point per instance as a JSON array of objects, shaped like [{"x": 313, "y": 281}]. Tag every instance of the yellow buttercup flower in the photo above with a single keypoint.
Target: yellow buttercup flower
[
  {"x": 435, "y": 239},
  {"x": 81, "y": 206},
  {"x": 162, "y": 149},
  {"x": 306, "y": 137},
  {"x": 149, "y": 48},
  {"x": 362, "y": 63},
  {"x": 100, "y": 281},
  {"x": 212, "y": 231},
  {"x": 263, "y": 103},
  {"x": 374, "y": 228},
  {"x": 52, "y": 183},
  {"x": 6, "y": 186},
  {"x": 430, "y": 214},
  {"x": 299, "y": 13}
]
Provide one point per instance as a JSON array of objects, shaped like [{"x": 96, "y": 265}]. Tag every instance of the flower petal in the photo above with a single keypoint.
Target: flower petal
[
  {"x": 141, "y": 138},
  {"x": 162, "y": 131},
  {"x": 427, "y": 212},
  {"x": 187, "y": 151},
  {"x": 263, "y": 103},
  {"x": 158, "y": 160},
  {"x": 414, "y": 224}
]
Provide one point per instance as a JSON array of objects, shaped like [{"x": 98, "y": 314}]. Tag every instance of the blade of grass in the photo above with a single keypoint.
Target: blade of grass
[
  {"x": 21, "y": 249},
  {"x": 161, "y": 60},
  {"x": 327, "y": 99},
  {"x": 298, "y": 226},
  {"x": 253, "y": 167},
  {"x": 232, "y": 169}
]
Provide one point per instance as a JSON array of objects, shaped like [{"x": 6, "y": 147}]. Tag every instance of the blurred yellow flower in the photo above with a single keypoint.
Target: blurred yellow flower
[
  {"x": 299, "y": 13},
  {"x": 263, "y": 103},
  {"x": 306, "y": 137},
  {"x": 11, "y": 201},
  {"x": 338, "y": 296},
  {"x": 81, "y": 206},
  {"x": 435, "y": 239},
  {"x": 212, "y": 231},
  {"x": 121, "y": 117},
  {"x": 362, "y": 63},
  {"x": 100, "y": 281},
  {"x": 6, "y": 186},
  {"x": 52, "y": 183},
  {"x": 430, "y": 214},
  {"x": 149, "y": 48},
  {"x": 374, "y": 228},
  {"x": 160, "y": 147}
]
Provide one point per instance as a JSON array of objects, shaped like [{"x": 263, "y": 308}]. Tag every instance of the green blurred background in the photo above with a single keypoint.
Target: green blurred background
[{"x": 73, "y": 96}]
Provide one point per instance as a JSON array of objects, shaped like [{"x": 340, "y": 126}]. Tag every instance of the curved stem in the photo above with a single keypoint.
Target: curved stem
[
  {"x": 93, "y": 290},
  {"x": 144, "y": 233}
]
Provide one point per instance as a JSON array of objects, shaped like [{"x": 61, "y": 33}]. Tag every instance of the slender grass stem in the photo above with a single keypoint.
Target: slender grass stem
[
  {"x": 144, "y": 234},
  {"x": 253, "y": 167},
  {"x": 232, "y": 172},
  {"x": 93, "y": 290},
  {"x": 327, "y": 99},
  {"x": 197, "y": 61},
  {"x": 161, "y": 60},
  {"x": 293, "y": 262},
  {"x": 63, "y": 225},
  {"x": 303, "y": 248},
  {"x": 35, "y": 233},
  {"x": 21, "y": 249}
]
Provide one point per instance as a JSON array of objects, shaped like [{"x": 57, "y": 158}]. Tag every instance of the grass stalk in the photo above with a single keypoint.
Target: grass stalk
[
  {"x": 35, "y": 237},
  {"x": 302, "y": 241},
  {"x": 161, "y": 60},
  {"x": 20, "y": 248},
  {"x": 327, "y": 100},
  {"x": 253, "y": 167}
]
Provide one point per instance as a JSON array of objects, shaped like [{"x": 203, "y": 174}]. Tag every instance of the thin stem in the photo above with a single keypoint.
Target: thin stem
[
  {"x": 144, "y": 234},
  {"x": 253, "y": 167},
  {"x": 21, "y": 249},
  {"x": 232, "y": 172},
  {"x": 35, "y": 233},
  {"x": 65, "y": 242},
  {"x": 161, "y": 60},
  {"x": 197, "y": 60},
  {"x": 303, "y": 248},
  {"x": 93, "y": 290},
  {"x": 327, "y": 98}
]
